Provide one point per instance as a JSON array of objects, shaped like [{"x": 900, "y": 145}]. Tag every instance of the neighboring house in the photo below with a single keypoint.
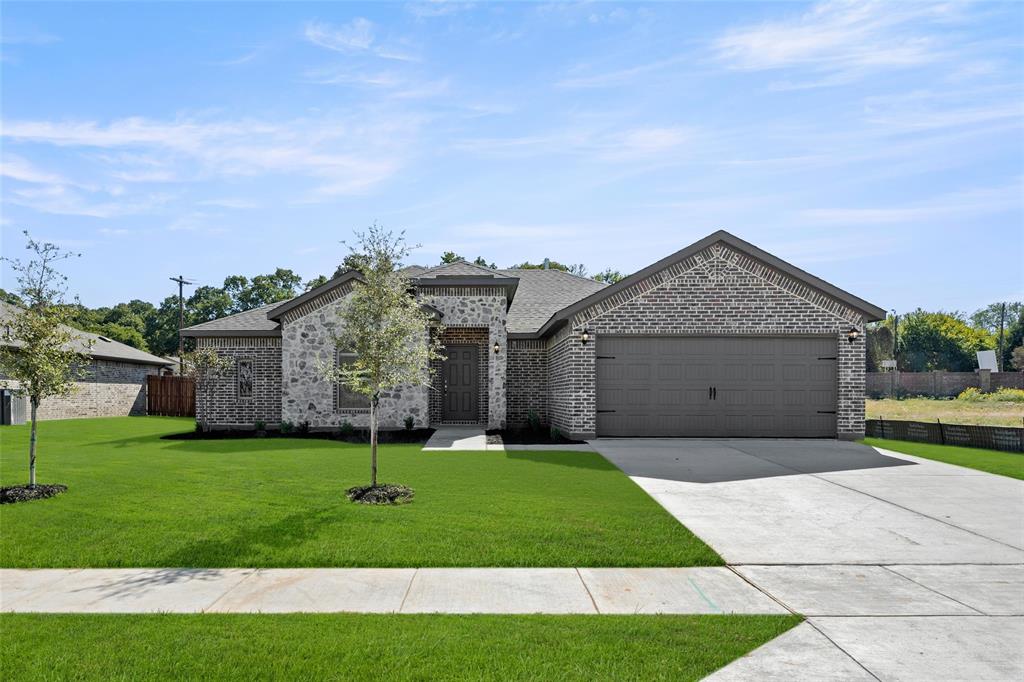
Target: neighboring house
[
  {"x": 112, "y": 385},
  {"x": 718, "y": 339}
]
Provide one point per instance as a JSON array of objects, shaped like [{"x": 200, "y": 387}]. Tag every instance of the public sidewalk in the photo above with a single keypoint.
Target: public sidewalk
[{"x": 383, "y": 590}]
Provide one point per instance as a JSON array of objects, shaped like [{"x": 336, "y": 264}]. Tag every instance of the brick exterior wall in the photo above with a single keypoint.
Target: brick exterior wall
[
  {"x": 462, "y": 335},
  {"x": 219, "y": 404},
  {"x": 107, "y": 388},
  {"x": 716, "y": 292},
  {"x": 527, "y": 381}
]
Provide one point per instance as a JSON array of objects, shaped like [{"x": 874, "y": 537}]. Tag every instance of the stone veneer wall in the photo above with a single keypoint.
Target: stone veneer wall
[
  {"x": 462, "y": 335},
  {"x": 107, "y": 388},
  {"x": 308, "y": 339},
  {"x": 527, "y": 386},
  {"x": 715, "y": 292},
  {"x": 218, "y": 403},
  {"x": 478, "y": 307}
]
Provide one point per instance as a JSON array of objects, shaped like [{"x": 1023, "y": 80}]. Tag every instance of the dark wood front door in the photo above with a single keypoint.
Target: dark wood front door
[{"x": 460, "y": 383}]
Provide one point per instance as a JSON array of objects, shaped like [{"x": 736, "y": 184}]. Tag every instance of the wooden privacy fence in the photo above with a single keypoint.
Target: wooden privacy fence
[
  {"x": 171, "y": 396},
  {"x": 1006, "y": 438}
]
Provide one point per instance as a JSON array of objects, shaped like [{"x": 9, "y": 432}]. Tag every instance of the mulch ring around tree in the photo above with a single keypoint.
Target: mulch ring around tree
[
  {"x": 24, "y": 493},
  {"x": 382, "y": 493}
]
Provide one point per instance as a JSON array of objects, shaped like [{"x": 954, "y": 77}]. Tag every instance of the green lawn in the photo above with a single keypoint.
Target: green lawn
[
  {"x": 136, "y": 500},
  {"x": 375, "y": 647},
  {"x": 994, "y": 462}
]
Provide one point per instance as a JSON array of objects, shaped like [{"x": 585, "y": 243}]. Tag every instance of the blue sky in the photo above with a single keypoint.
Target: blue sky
[{"x": 879, "y": 146}]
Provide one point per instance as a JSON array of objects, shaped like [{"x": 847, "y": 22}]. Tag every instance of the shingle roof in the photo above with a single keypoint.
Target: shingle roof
[
  {"x": 102, "y": 347},
  {"x": 248, "y": 321},
  {"x": 541, "y": 294},
  {"x": 460, "y": 269}
]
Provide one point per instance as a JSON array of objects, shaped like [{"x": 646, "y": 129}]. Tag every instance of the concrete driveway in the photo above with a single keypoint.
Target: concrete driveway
[{"x": 906, "y": 568}]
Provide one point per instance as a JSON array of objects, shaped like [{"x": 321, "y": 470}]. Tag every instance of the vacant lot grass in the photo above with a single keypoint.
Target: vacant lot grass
[
  {"x": 136, "y": 500},
  {"x": 994, "y": 462},
  {"x": 374, "y": 647},
  {"x": 949, "y": 411}
]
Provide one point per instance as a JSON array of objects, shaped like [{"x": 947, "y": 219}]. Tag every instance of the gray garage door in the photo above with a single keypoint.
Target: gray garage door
[{"x": 716, "y": 386}]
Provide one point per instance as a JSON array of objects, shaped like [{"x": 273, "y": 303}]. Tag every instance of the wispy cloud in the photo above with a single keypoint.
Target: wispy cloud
[
  {"x": 838, "y": 41},
  {"x": 600, "y": 143},
  {"x": 17, "y": 168},
  {"x": 27, "y": 36},
  {"x": 343, "y": 156},
  {"x": 355, "y": 37},
  {"x": 228, "y": 202},
  {"x": 437, "y": 8},
  {"x": 65, "y": 200}
]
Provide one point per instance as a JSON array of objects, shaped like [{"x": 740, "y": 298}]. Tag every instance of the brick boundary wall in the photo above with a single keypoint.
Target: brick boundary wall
[
  {"x": 939, "y": 384},
  {"x": 717, "y": 292}
]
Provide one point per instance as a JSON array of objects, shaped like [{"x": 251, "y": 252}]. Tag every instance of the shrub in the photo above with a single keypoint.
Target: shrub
[
  {"x": 303, "y": 428},
  {"x": 533, "y": 420},
  {"x": 260, "y": 425},
  {"x": 409, "y": 423},
  {"x": 556, "y": 433},
  {"x": 971, "y": 395},
  {"x": 1008, "y": 395},
  {"x": 287, "y": 427},
  {"x": 345, "y": 430}
]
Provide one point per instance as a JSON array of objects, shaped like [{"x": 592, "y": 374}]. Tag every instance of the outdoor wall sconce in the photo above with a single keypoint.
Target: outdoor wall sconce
[
  {"x": 852, "y": 335},
  {"x": 585, "y": 336},
  {"x": 496, "y": 348}
]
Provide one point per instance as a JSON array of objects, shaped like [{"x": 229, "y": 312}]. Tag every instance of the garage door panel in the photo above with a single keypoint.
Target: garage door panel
[{"x": 765, "y": 386}]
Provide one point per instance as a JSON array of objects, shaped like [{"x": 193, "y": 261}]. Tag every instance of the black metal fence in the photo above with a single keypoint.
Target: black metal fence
[{"x": 1006, "y": 438}]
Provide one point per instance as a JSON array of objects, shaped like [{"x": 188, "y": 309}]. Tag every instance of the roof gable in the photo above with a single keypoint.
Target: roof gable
[{"x": 869, "y": 311}]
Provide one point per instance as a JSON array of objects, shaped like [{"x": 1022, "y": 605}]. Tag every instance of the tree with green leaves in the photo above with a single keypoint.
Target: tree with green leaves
[
  {"x": 279, "y": 285},
  {"x": 929, "y": 341},
  {"x": 578, "y": 269},
  {"x": 42, "y": 357},
  {"x": 204, "y": 366},
  {"x": 383, "y": 329},
  {"x": 609, "y": 276}
]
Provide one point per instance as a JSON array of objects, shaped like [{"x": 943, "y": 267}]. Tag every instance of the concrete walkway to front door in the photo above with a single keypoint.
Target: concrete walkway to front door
[
  {"x": 906, "y": 568},
  {"x": 457, "y": 438}
]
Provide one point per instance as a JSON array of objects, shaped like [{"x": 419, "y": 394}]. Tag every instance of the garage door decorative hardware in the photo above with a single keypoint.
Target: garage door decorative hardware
[
  {"x": 712, "y": 393},
  {"x": 605, "y": 357},
  {"x": 828, "y": 358},
  {"x": 600, "y": 411},
  {"x": 826, "y": 411}
]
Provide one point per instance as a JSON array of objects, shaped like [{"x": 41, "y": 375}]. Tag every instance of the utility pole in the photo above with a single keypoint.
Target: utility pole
[
  {"x": 1002, "y": 320},
  {"x": 181, "y": 309}
]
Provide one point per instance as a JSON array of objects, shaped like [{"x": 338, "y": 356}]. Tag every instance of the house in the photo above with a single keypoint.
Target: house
[
  {"x": 113, "y": 384},
  {"x": 718, "y": 339}
]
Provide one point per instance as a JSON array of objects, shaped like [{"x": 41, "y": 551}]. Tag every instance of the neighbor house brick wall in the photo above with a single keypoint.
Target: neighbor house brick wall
[
  {"x": 106, "y": 388},
  {"x": 218, "y": 402},
  {"x": 527, "y": 381},
  {"x": 715, "y": 292}
]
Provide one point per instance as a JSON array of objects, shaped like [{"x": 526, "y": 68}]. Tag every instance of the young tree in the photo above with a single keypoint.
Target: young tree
[
  {"x": 204, "y": 366},
  {"x": 383, "y": 324},
  {"x": 609, "y": 276},
  {"x": 43, "y": 355}
]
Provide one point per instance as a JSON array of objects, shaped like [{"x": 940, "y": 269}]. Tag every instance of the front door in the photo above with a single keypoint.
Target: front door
[{"x": 460, "y": 384}]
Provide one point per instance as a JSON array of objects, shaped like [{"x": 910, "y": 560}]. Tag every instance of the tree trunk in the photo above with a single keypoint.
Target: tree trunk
[
  {"x": 32, "y": 446},
  {"x": 373, "y": 440}
]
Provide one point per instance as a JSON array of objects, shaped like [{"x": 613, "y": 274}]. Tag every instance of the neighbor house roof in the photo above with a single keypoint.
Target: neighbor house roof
[
  {"x": 102, "y": 347},
  {"x": 252, "y": 322}
]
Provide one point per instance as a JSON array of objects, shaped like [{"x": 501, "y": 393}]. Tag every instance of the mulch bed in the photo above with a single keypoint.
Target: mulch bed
[
  {"x": 24, "y": 493},
  {"x": 357, "y": 436},
  {"x": 382, "y": 493},
  {"x": 527, "y": 437}
]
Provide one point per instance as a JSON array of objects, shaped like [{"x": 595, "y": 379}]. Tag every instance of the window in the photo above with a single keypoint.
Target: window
[
  {"x": 344, "y": 397},
  {"x": 245, "y": 378}
]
